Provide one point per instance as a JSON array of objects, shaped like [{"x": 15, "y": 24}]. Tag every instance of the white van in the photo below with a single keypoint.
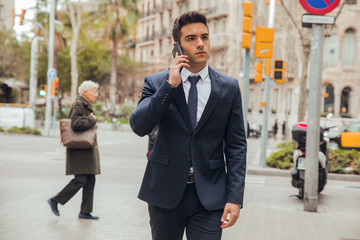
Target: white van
[{"x": 18, "y": 115}]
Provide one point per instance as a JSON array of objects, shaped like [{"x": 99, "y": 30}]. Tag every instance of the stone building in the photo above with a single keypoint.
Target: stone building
[{"x": 292, "y": 43}]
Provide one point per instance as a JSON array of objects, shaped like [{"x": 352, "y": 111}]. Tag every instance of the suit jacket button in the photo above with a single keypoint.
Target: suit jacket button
[{"x": 188, "y": 158}]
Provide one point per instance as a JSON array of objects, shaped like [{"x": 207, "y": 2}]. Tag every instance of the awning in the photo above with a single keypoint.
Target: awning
[{"x": 13, "y": 83}]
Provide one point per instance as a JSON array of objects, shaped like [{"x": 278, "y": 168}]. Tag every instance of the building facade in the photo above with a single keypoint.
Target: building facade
[
  {"x": 6, "y": 19},
  {"x": 340, "y": 76}
]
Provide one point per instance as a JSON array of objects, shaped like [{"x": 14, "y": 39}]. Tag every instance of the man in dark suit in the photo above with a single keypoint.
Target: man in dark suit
[{"x": 195, "y": 174}]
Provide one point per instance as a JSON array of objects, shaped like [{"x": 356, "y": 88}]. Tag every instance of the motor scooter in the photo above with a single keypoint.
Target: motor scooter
[{"x": 298, "y": 171}]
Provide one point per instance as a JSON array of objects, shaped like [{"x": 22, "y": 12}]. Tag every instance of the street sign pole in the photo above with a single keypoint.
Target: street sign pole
[
  {"x": 264, "y": 132},
  {"x": 313, "y": 125},
  {"x": 317, "y": 21},
  {"x": 50, "y": 66}
]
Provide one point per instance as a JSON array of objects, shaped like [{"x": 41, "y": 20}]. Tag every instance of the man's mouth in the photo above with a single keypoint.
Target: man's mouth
[{"x": 200, "y": 53}]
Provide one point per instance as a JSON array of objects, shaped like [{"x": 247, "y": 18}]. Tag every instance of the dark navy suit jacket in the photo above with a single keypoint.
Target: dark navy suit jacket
[{"x": 216, "y": 148}]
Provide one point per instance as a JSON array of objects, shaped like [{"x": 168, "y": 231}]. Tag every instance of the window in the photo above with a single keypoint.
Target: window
[
  {"x": 329, "y": 98},
  {"x": 348, "y": 48},
  {"x": 345, "y": 100},
  {"x": 331, "y": 49},
  {"x": 186, "y": 7}
]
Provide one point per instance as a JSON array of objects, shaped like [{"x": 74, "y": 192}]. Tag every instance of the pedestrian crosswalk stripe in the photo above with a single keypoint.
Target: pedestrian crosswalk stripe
[{"x": 255, "y": 181}]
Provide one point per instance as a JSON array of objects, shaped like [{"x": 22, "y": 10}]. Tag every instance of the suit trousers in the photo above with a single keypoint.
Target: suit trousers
[
  {"x": 84, "y": 181},
  {"x": 188, "y": 215}
]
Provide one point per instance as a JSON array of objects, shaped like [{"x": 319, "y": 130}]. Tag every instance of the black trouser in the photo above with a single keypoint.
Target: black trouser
[
  {"x": 199, "y": 223},
  {"x": 84, "y": 181}
]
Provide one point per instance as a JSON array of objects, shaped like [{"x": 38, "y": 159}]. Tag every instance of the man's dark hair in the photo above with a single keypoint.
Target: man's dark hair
[{"x": 187, "y": 18}]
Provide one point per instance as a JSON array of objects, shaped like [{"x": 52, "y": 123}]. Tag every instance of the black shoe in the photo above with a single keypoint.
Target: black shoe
[
  {"x": 88, "y": 216},
  {"x": 53, "y": 206}
]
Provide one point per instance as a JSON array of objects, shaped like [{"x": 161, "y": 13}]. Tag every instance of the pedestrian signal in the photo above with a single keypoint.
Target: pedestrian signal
[
  {"x": 279, "y": 71},
  {"x": 247, "y": 25},
  {"x": 43, "y": 90},
  {"x": 55, "y": 87}
]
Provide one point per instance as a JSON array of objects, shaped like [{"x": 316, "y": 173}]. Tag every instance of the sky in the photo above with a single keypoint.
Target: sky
[{"x": 30, "y": 14}]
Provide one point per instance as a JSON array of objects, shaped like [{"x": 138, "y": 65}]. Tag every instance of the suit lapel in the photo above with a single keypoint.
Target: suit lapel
[
  {"x": 182, "y": 105},
  {"x": 216, "y": 86}
]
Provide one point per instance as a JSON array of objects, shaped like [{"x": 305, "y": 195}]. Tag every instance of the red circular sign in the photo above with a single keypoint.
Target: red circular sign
[{"x": 319, "y": 7}]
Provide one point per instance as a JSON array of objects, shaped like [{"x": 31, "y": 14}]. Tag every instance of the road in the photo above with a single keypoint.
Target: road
[{"x": 32, "y": 170}]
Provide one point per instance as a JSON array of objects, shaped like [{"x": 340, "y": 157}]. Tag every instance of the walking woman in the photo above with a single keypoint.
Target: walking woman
[{"x": 84, "y": 164}]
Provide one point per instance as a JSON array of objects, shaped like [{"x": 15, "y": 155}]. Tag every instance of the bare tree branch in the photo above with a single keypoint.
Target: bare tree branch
[{"x": 292, "y": 19}]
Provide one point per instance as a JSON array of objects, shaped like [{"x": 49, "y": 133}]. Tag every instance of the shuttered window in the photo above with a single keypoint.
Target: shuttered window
[
  {"x": 348, "y": 48},
  {"x": 331, "y": 49}
]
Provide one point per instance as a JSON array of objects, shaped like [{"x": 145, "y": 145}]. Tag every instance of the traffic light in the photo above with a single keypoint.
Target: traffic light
[
  {"x": 54, "y": 87},
  {"x": 259, "y": 69},
  {"x": 247, "y": 25},
  {"x": 13, "y": 16},
  {"x": 279, "y": 71},
  {"x": 43, "y": 90},
  {"x": 264, "y": 42},
  {"x": 22, "y": 15}
]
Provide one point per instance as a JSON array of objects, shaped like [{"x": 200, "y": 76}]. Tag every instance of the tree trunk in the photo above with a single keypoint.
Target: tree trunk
[
  {"x": 304, "y": 76},
  {"x": 113, "y": 77},
  {"x": 75, "y": 17}
]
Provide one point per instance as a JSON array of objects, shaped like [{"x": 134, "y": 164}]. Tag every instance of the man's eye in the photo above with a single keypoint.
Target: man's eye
[
  {"x": 190, "y": 39},
  {"x": 205, "y": 37}
]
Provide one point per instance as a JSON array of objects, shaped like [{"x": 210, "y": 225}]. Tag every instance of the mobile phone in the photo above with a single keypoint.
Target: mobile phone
[{"x": 177, "y": 49}]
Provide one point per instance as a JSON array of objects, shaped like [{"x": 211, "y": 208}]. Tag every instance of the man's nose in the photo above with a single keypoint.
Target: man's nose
[{"x": 199, "y": 43}]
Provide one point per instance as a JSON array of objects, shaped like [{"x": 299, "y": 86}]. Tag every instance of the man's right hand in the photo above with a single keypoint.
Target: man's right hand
[{"x": 177, "y": 64}]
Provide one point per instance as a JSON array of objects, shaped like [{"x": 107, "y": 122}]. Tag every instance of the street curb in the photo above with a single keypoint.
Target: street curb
[{"x": 286, "y": 173}]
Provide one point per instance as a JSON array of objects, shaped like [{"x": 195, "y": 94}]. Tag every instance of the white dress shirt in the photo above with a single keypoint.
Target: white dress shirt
[{"x": 203, "y": 86}]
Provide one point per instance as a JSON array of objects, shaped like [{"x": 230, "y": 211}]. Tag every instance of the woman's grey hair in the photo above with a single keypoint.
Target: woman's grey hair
[{"x": 87, "y": 85}]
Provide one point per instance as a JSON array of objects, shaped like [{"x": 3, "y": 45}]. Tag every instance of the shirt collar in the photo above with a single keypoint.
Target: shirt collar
[{"x": 203, "y": 73}]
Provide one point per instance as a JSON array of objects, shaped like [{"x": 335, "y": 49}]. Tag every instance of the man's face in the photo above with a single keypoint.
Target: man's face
[{"x": 195, "y": 43}]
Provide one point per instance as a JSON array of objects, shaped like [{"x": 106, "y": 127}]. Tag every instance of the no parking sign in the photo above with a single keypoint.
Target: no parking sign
[{"x": 319, "y": 7}]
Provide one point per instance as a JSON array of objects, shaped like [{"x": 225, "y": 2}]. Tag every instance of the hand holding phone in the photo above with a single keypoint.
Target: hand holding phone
[
  {"x": 177, "y": 49},
  {"x": 179, "y": 62}
]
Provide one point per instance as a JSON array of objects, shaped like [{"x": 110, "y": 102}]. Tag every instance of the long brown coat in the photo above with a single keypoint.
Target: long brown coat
[{"x": 82, "y": 161}]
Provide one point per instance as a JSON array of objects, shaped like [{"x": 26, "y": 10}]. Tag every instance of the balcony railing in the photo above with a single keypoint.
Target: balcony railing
[
  {"x": 149, "y": 13},
  {"x": 145, "y": 39}
]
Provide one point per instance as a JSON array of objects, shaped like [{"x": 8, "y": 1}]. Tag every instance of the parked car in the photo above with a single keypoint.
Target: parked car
[{"x": 346, "y": 137}]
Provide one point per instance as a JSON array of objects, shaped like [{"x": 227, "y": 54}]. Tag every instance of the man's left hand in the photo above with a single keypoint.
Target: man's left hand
[{"x": 234, "y": 210}]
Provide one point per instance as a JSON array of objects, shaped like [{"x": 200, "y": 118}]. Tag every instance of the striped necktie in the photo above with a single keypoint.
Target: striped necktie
[{"x": 193, "y": 100}]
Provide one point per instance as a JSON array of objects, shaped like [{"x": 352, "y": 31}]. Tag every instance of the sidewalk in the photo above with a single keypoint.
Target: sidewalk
[{"x": 270, "y": 212}]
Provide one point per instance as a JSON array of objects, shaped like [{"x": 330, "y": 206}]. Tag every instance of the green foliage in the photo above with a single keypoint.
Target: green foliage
[
  {"x": 344, "y": 161},
  {"x": 100, "y": 111},
  {"x": 283, "y": 158},
  {"x": 125, "y": 112},
  {"x": 40, "y": 113},
  {"x": 24, "y": 130},
  {"x": 15, "y": 55},
  {"x": 2, "y": 129}
]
